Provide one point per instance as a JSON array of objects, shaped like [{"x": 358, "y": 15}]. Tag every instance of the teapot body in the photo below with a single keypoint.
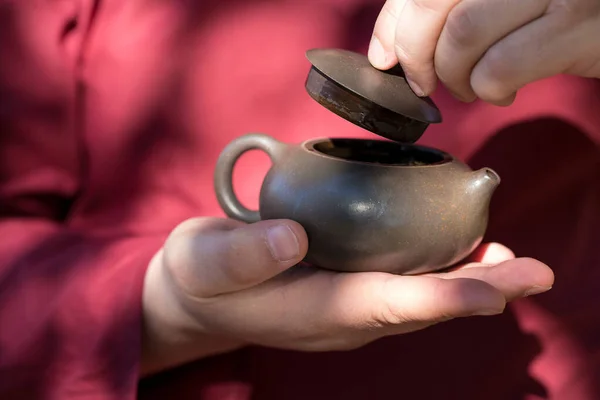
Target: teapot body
[{"x": 370, "y": 205}]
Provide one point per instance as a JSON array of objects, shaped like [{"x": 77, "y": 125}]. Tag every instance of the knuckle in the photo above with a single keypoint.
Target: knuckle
[
  {"x": 455, "y": 76},
  {"x": 447, "y": 74},
  {"x": 500, "y": 73},
  {"x": 176, "y": 248},
  {"x": 179, "y": 249},
  {"x": 229, "y": 262},
  {"x": 177, "y": 267},
  {"x": 193, "y": 226},
  {"x": 414, "y": 62},
  {"x": 183, "y": 264},
  {"x": 462, "y": 26},
  {"x": 439, "y": 311},
  {"x": 189, "y": 254},
  {"x": 386, "y": 314},
  {"x": 337, "y": 311},
  {"x": 496, "y": 66},
  {"x": 368, "y": 316}
]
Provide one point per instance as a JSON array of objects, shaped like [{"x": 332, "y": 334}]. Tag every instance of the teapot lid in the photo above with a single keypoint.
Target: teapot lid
[{"x": 381, "y": 102}]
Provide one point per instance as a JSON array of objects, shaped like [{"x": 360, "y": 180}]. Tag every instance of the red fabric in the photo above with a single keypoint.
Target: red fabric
[{"x": 112, "y": 115}]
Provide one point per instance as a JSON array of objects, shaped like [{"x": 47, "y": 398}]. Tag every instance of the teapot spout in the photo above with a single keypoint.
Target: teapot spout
[{"x": 485, "y": 181}]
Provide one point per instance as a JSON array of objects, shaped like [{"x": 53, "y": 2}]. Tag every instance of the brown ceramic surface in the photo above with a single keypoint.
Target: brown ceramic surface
[
  {"x": 367, "y": 205},
  {"x": 381, "y": 102}
]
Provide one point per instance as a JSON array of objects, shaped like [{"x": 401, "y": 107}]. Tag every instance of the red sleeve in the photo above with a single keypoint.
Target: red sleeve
[
  {"x": 70, "y": 311},
  {"x": 70, "y": 296}
]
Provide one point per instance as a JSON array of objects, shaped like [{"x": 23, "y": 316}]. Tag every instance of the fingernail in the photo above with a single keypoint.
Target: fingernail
[
  {"x": 462, "y": 98},
  {"x": 488, "y": 312},
  {"x": 377, "y": 53},
  {"x": 415, "y": 87},
  {"x": 536, "y": 290},
  {"x": 283, "y": 243}
]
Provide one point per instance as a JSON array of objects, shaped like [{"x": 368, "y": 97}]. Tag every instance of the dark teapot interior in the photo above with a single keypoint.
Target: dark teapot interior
[{"x": 380, "y": 152}]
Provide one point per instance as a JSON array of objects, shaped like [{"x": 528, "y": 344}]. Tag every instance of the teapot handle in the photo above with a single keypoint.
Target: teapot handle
[{"x": 223, "y": 176}]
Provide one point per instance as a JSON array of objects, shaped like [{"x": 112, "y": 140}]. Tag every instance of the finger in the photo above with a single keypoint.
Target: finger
[
  {"x": 430, "y": 300},
  {"x": 209, "y": 258},
  {"x": 514, "y": 278},
  {"x": 348, "y": 309},
  {"x": 539, "y": 50},
  {"x": 378, "y": 300},
  {"x": 381, "y": 49},
  {"x": 491, "y": 253},
  {"x": 485, "y": 255},
  {"x": 471, "y": 28},
  {"x": 419, "y": 26}
]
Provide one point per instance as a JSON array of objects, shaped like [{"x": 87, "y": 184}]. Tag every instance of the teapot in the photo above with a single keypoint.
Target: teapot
[
  {"x": 375, "y": 205},
  {"x": 367, "y": 205}
]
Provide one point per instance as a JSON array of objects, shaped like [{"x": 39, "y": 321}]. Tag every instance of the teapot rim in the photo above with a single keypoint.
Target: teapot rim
[{"x": 444, "y": 157}]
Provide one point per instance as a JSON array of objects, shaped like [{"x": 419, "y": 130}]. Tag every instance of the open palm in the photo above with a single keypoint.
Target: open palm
[{"x": 227, "y": 278}]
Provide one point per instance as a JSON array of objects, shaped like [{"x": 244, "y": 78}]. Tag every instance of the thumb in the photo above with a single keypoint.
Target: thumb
[{"x": 211, "y": 256}]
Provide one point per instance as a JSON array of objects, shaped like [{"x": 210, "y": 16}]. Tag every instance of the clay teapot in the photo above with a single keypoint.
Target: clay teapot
[{"x": 367, "y": 205}]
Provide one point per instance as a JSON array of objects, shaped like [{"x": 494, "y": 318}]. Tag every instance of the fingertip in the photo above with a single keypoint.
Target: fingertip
[
  {"x": 300, "y": 237},
  {"x": 378, "y": 56},
  {"x": 506, "y": 101},
  {"x": 286, "y": 240},
  {"x": 422, "y": 81},
  {"x": 534, "y": 272},
  {"x": 515, "y": 278},
  {"x": 520, "y": 277},
  {"x": 464, "y": 96},
  {"x": 297, "y": 228},
  {"x": 381, "y": 52},
  {"x": 282, "y": 243},
  {"x": 416, "y": 87},
  {"x": 492, "y": 87},
  {"x": 492, "y": 253}
]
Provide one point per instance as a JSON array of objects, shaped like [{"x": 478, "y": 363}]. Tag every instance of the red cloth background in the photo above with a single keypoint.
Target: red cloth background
[{"x": 112, "y": 115}]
